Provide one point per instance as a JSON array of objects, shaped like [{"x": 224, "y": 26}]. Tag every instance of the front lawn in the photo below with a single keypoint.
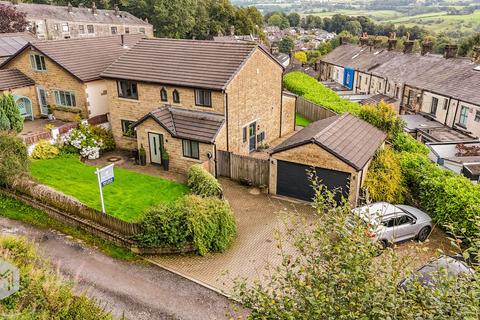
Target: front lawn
[
  {"x": 302, "y": 121},
  {"x": 127, "y": 198}
]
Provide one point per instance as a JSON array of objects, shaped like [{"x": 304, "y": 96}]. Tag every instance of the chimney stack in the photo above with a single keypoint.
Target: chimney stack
[
  {"x": 274, "y": 50},
  {"x": 364, "y": 39},
  {"x": 450, "y": 51},
  {"x": 377, "y": 43},
  {"x": 408, "y": 44},
  {"x": 476, "y": 54},
  {"x": 427, "y": 47},
  {"x": 344, "y": 40},
  {"x": 392, "y": 41},
  {"x": 232, "y": 31},
  {"x": 117, "y": 10},
  {"x": 69, "y": 7},
  {"x": 94, "y": 8}
]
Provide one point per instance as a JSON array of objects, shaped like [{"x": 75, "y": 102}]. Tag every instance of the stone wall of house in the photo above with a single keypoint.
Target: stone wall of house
[
  {"x": 313, "y": 155},
  {"x": 289, "y": 111},
  {"x": 254, "y": 95},
  {"x": 148, "y": 100},
  {"x": 54, "y": 29},
  {"x": 54, "y": 78},
  {"x": 178, "y": 162}
]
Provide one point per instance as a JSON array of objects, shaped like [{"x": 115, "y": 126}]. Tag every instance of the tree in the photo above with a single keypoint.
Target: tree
[
  {"x": 174, "y": 19},
  {"x": 286, "y": 45},
  {"x": 354, "y": 27},
  {"x": 12, "y": 20},
  {"x": 10, "y": 112},
  {"x": 301, "y": 56},
  {"x": 13, "y": 158},
  {"x": 329, "y": 271},
  {"x": 294, "y": 19}
]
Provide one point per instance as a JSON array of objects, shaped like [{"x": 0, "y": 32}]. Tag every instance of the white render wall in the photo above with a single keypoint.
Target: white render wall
[{"x": 97, "y": 98}]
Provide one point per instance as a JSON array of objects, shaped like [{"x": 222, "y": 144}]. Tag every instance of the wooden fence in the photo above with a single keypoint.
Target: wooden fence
[
  {"x": 313, "y": 111},
  {"x": 243, "y": 168}
]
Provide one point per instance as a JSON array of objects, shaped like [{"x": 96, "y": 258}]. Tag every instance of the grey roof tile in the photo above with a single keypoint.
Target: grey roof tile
[{"x": 13, "y": 78}]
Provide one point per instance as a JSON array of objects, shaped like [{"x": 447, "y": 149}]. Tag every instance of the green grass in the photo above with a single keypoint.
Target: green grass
[
  {"x": 302, "y": 121},
  {"x": 17, "y": 210},
  {"x": 127, "y": 198}
]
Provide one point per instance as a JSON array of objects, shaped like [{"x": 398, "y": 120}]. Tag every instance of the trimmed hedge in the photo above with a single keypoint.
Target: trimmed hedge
[
  {"x": 202, "y": 183},
  {"x": 13, "y": 158},
  {"x": 404, "y": 142},
  {"x": 205, "y": 222}
]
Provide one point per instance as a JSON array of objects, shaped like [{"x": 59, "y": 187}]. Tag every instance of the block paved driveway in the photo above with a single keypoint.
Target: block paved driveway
[{"x": 258, "y": 216}]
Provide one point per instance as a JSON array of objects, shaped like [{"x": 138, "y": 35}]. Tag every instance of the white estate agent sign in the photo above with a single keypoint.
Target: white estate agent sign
[
  {"x": 9, "y": 279},
  {"x": 105, "y": 176}
]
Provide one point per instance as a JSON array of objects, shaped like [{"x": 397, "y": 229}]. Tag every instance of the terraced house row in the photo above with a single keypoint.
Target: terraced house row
[
  {"x": 184, "y": 98},
  {"x": 444, "y": 88}
]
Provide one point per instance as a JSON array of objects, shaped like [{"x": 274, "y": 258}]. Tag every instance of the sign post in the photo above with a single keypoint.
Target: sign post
[{"x": 105, "y": 176}]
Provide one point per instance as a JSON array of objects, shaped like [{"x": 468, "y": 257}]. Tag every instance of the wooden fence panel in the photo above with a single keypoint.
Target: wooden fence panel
[
  {"x": 254, "y": 170},
  {"x": 313, "y": 111},
  {"x": 223, "y": 163}
]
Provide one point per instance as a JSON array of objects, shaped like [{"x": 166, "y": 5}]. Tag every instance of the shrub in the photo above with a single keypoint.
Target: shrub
[
  {"x": 45, "y": 150},
  {"x": 202, "y": 183},
  {"x": 404, "y": 142},
  {"x": 42, "y": 294},
  {"x": 206, "y": 223},
  {"x": 13, "y": 158},
  {"x": 10, "y": 117},
  {"x": 301, "y": 56},
  {"x": 383, "y": 117},
  {"x": 451, "y": 199},
  {"x": 106, "y": 137},
  {"x": 211, "y": 223},
  {"x": 84, "y": 140},
  {"x": 384, "y": 180}
]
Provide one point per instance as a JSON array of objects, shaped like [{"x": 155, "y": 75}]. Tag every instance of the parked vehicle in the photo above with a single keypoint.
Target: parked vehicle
[
  {"x": 453, "y": 265},
  {"x": 390, "y": 223}
]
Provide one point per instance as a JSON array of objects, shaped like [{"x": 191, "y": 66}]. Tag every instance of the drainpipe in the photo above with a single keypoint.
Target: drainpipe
[
  {"x": 385, "y": 86},
  {"x": 215, "y": 160},
  {"x": 403, "y": 95},
  {"x": 226, "y": 119},
  {"x": 448, "y": 110},
  {"x": 455, "y": 116},
  {"x": 281, "y": 107},
  {"x": 370, "y": 83}
]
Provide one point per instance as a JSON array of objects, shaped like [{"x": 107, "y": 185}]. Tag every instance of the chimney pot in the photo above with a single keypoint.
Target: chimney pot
[
  {"x": 450, "y": 51},
  {"x": 232, "y": 30},
  {"x": 427, "y": 47},
  {"x": 94, "y": 8},
  {"x": 364, "y": 39},
  {"x": 117, "y": 10},
  {"x": 69, "y": 7},
  {"x": 476, "y": 54},
  {"x": 377, "y": 43},
  {"x": 344, "y": 39}
]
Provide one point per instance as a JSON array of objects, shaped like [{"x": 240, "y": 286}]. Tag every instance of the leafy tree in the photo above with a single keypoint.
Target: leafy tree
[
  {"x": 12, "y": 20},
  {"x": 10, "y": 111},
  {"x": 286, "y": 45},
  {"x": 294, "y": 19},
  {"x": 174, "y": 19},
  {"x": 13, "y": 158},
  {"x": 354, "y": 27},
  {"x": 301, "y": 56},
  {"x": 330, "y": 272},
  {"x": 278, "y": 20}
]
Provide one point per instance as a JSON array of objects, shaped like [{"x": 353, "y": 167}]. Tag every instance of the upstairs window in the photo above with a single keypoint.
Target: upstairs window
[
  {"x": 114, "y": 30},
  {"x": 38, "y": 62},
  {"x": 203, "y": 98},
  {"x": 142, "y": 30},
  {"x": 463, "y": 116},
  {"x": 64, "y": 98},
  {"x": 90, "y": 28},
  {"x": 127, "y": 89},
  {"x": 81, "y": 29},
  {"x": 164, "y": 95},
  {"x": 433, "y": 107},
  {"x": 127, "y": 30},
  {"x": 65, "y": 27},
  {"x": 477, "y": 116},
  {"x": 176, "y": 96}
]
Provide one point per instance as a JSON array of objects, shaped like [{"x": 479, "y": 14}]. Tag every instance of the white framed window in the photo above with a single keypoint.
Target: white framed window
[
  {"x": 203, "y": 98},
  {"x": 65, "y": 98},
  {"x": 81, "y": 29},
  {"x": 37, "y": 61},
  {"x": 114, "y": 30},
  {"x": 463, "y": 116},
  {"x": 90, "y": 28},
  {"x": 433, "y": 107},
  {"x": 477, "y": 116},
  {"x": 127, "y": 30},
  {"x": 65, "y": 27}
]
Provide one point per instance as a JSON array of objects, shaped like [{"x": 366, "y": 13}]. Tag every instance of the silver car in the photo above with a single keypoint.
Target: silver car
[{"x": 390, "y": 223}]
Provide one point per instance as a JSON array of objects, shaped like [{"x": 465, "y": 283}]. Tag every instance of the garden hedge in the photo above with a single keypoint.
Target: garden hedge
[
  {"x": 451, "y": 199},
  {"x": 202, "y": 183}
]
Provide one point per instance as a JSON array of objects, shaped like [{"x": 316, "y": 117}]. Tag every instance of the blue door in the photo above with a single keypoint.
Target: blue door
[{"x": 348, "y": 76}]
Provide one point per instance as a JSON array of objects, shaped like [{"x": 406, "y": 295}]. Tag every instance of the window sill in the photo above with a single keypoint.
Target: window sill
[
  {"x": 192, "y": 159},
  {"x": 461, "y": 126},
  {"x": 129, "y": 100},
  {"x": 129, "y": 138}
]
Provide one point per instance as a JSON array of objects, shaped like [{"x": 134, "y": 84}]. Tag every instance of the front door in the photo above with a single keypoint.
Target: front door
[
  {"x": 155, "y": 140},
  {"x": 42, "y": 100},
  {"x": 252, "y": 136}
]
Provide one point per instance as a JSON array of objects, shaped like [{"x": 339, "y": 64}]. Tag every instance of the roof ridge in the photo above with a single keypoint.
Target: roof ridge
[{"x": 316, "y": 137}]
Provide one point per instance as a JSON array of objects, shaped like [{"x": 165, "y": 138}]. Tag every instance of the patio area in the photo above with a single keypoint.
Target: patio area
[{"x": 35, "y": 130}]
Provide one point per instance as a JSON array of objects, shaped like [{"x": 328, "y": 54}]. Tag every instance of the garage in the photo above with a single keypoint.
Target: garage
[
  {"x": 293, "y": 180},
  {"x": 339, "y": 148}
]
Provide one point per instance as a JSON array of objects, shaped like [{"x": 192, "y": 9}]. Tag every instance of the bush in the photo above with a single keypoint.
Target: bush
[
  {"x": 404, "y": 142},
  {"x": 202, "y": 183},
  {"x": 384, "y": 180},
  {"x": 45, "y": 150},
  {"x": 206, "y": 223},
  {"x": 42, "y": 294},
  {"x": 13, "y": 158},
  {"x": 383, "y": 117},
  {"x": 10, "y": 117},
  {"x": 84, "y": 140},
  {"x": 451, "y": 199},
  {"x": 106, "y": 136}
]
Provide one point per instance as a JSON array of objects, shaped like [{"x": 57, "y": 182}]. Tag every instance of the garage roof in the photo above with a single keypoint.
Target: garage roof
[{"x": 347, "y": 137}]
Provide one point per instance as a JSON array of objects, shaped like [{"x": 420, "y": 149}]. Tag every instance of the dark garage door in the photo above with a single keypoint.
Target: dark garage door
[{"x": 293, "y": 180}]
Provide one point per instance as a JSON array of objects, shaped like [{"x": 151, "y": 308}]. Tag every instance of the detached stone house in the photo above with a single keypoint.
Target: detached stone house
[
  {"x": 67, "y": 73},
  {"x": 192, "y": 98},
  {"x": 22, "y": 88},
  {"x": 338, "y": 150},
  {"x": 49, "y": 22}
]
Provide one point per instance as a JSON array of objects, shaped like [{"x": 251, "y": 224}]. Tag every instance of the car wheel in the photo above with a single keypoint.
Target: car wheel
[{"x": 423, "y": 234}]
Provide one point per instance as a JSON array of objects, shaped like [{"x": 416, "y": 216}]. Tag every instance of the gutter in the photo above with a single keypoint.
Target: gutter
[{"x": 226, "y": 119}]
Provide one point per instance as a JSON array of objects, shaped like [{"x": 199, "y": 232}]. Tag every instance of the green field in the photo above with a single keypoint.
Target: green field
[{"x": 127, "y": 198}]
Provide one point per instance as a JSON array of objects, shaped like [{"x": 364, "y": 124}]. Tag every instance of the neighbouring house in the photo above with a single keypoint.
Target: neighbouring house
[
  {"x": 189, "y": 98},
  {"x": 49, "y": 22},
  {"x": 10, "y": 43},
  {"x": 462, "y": 158},
  {"x": 67, "y": 73},
  {"x": 337, "y": 149},
  {"x": 22, "y": 88},
  {"x": 444, "y": 87}
]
